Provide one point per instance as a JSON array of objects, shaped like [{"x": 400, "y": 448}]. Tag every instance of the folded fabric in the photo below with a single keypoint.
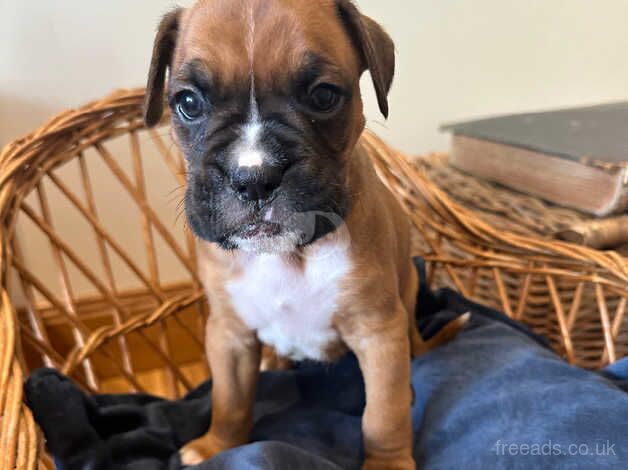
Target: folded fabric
[{"x": 495, "y": 397}]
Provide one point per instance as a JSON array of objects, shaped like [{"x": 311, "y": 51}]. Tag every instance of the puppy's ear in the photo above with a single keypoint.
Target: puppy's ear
[
  {"x": 375, "y": 47},
  {"x": 163, "y": 51}
]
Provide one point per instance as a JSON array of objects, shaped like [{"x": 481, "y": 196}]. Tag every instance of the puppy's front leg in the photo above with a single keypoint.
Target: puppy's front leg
[
  {"x": 233, "y": 352},
  {"x": 382, "y": 347}
]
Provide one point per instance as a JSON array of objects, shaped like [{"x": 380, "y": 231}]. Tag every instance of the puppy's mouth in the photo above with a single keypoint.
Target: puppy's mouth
[
  {"x": 265, "y": 237},
  {"x": 260, "y": 229}
]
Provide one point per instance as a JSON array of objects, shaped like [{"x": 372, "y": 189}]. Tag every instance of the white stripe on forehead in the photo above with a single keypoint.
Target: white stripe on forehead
[{"x": 250, "y": 153}]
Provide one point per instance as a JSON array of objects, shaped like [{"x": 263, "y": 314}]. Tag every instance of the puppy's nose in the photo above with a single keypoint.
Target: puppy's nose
[{"x": 256, "y": 183}]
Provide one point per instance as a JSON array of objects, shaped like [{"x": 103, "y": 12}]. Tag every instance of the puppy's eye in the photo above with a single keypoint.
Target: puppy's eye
[
  {"x": 189, "y": 105},
  {"x": 324, "y": 98}
]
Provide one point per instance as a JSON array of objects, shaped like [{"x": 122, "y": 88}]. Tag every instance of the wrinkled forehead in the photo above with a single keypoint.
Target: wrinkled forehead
[{"x": 268, "y": 39}]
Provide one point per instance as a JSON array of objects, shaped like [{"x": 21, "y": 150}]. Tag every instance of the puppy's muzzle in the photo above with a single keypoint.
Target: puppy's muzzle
[{"x": 258, "y": 183}]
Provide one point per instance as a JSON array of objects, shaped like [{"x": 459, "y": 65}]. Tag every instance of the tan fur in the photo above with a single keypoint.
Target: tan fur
[
  {"x": 281, "y": 38},
  {"x": 375, "y": 318},
  {"x": 375, "y": 310}
]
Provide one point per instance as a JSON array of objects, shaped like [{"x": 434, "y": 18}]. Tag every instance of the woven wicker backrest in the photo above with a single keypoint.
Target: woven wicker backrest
[
  {"x": 573, "y": 295},
  {"x": 116, "y": 303}
]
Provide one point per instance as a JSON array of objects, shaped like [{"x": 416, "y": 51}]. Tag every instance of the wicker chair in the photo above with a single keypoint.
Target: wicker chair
[{"x": 127, "y": 315}]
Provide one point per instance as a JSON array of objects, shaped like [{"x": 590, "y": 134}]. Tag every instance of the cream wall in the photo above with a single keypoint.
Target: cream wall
[{"x": 457, "y": 58}]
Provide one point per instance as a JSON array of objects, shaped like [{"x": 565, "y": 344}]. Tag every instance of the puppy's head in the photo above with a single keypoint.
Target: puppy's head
[{"x": 266, "y": 108}]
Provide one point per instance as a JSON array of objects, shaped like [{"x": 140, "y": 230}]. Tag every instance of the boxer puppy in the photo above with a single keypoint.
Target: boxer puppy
[{"x": 301, "y": 246}]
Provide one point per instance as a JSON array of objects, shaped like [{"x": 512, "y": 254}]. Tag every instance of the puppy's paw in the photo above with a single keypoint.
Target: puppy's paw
[
  {"x": 444, "y": 336},
  {"x": 385, "y": 464},
  {"x": 201, "y": 449},
  {"x": 273, "y": 361},
  {"x": 451, "y": 329}
]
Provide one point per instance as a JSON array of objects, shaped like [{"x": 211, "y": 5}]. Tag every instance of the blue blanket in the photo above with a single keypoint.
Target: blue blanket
[{"x": 494, "y": 398}]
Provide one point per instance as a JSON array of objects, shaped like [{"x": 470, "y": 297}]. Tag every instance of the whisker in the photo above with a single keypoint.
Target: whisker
[{"x": 178, "y": 188}]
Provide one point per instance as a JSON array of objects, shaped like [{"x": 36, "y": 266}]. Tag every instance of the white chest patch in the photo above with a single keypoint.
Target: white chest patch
[{"x": 290, "y": 307}]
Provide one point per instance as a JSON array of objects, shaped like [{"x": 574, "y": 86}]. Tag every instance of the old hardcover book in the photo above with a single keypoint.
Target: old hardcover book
[{"x": 576, "y": 158}]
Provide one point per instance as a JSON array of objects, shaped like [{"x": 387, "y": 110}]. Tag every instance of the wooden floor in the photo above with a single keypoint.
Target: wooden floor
[{"x": 159, "y": 382}]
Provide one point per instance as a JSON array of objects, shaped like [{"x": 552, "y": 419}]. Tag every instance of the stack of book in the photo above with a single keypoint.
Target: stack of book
[{"x": 576, "y": 158}]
